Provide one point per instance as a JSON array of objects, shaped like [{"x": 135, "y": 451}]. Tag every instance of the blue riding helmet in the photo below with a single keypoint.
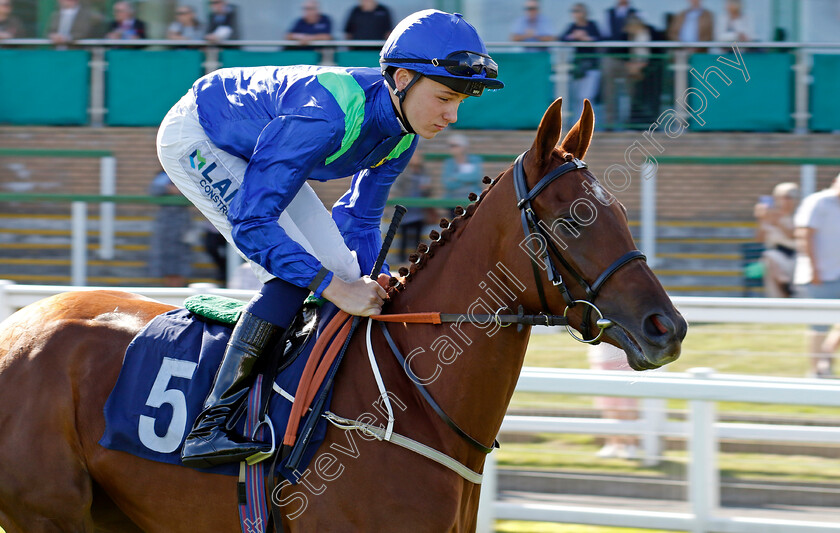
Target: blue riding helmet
[{"x": 443, "y": 47}]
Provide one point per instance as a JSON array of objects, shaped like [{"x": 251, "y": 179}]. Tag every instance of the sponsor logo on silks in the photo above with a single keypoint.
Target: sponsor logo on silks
[
  {"x": 217, "y": 190},
  {"x": 196, "y": 156}
]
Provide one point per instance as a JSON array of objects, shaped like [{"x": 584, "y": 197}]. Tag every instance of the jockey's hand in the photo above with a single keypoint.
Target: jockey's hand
[{"x": 363, "y": 297}]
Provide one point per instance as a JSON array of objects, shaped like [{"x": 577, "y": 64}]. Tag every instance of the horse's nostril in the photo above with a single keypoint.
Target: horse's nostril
[
  {"x": 657, "y": 327},
  {"x": 658, "y": 324}
]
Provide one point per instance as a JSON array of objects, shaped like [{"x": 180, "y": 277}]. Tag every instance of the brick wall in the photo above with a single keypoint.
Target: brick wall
[{"x": 685, "y": 192}]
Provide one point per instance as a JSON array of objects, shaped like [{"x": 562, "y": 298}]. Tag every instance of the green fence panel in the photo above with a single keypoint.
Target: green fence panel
[
  {"x": 357, "y": 58},
  {"x": 142, "y": 85},
  {"x": 243, "y": 58},
  {"x": 520, "y": 105},
  {"x": 48, "y": 87},
  {"x": 764, "y": 103},
  {"x": 825, "y": 109}
]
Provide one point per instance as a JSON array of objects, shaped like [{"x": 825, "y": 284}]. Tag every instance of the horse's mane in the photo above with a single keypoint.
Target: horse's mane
[{"x": 450, "y": 229}]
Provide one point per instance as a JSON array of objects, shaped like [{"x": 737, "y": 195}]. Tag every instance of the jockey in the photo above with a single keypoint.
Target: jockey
[{"x": 241, "y": 145}]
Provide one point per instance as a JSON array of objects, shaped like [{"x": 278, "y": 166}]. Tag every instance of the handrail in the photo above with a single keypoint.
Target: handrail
[
  {"x": 375, "y": 45},
  {"x": 180, "y": 200},
  {"x": 48, "y": 152}
]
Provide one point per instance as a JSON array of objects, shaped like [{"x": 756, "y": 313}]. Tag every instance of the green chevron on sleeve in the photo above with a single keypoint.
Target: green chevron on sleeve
[
  {"x": 401, "y": 147},
  {"x": 351, "y": 99}
]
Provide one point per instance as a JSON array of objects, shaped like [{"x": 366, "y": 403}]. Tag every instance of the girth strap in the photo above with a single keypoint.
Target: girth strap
[{"x": 428, "y": 397}]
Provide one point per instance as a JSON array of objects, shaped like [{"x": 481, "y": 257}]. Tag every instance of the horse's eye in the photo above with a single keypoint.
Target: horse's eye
[{"x": 568, "y": 225}]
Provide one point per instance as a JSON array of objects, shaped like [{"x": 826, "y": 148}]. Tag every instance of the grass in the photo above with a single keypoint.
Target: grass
[
  {"x": 753, "y": 349},
  {"x": 576, "y": 454},
  {"x": 512, "y": 526}
]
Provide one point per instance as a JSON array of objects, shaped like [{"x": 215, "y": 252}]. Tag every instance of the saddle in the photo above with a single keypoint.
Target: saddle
[{"x": 169, "y": 367}]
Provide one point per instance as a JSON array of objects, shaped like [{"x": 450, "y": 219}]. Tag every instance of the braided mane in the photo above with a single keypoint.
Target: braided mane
[{"x": 449, "y": 228}]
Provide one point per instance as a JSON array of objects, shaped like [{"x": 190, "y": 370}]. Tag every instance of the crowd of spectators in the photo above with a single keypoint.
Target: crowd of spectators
[{"x": 626, "y": 81}]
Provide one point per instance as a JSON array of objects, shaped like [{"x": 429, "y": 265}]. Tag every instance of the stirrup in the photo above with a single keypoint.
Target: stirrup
[{"x": 262, "y": 456}]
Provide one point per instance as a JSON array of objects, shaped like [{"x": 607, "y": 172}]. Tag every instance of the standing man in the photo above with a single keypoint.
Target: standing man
[
  {"x": 241, "y": 145},
  {"x": 368, "y": 21},
  {"x": 532, "y": 27},
  {"x": 817, "y": 273},
  {"x": 614, "y": 66},
  {"x": 693, "y": 25},
  {"x": 73, "y": 22},
  {"x": 125, "y": 25},
  {"x": 312, "y": 26},
  {"x": 222, "y": 25}
]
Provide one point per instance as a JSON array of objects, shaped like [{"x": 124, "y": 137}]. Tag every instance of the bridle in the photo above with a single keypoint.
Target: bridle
[{"x": 532, "y": 228}]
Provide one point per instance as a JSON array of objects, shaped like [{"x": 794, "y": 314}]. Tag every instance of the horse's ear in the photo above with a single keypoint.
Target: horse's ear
[
  {"x": 577, "y": 140},
  {"x": 549, "y": 131}
]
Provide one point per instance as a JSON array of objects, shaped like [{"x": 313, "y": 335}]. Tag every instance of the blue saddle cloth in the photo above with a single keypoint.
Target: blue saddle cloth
[{"x": 166, "y": 374}]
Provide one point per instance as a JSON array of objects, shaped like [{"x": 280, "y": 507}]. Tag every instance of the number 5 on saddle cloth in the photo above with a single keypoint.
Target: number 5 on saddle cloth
[{"x": 169, "y": 367}]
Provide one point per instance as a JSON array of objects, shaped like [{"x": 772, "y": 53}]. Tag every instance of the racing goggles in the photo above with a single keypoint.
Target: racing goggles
[{"x": 463, "y": 64}]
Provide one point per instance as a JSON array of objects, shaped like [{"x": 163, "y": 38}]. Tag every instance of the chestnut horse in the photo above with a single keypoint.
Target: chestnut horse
[{"x": 60, "y": 357}]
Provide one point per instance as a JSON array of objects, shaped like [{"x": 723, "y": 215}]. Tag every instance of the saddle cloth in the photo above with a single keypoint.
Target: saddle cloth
[{"x": 166, "y": 374}]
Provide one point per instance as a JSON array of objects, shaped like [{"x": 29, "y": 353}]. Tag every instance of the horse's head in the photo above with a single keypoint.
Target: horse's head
[{"x": 582, "y": 254}]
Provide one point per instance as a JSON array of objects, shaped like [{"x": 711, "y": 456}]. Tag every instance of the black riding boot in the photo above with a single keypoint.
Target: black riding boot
[{"x": 210, "y": 442}]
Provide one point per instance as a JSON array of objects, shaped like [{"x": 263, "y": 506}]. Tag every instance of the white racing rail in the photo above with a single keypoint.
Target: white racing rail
[{"x": 700, "y": 387}]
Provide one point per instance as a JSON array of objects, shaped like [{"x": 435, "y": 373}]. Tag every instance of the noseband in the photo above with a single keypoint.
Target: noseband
[{"x": 531, "y": 226}]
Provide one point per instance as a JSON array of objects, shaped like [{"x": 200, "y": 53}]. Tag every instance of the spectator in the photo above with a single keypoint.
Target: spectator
[
  {"x": 614, "y": 64},
  {"x": 736, "y": 26},
  {"x": 185, "y": 27},
  {"x": 10, "y": 26},
  {"x": 607, "y": 357},
  {"x": 817, "y": 273},
  {"x": 170, "y": 251},
  {"x": 832, "y": 341},
  {"x": 586, "y": 74},
  {"x": 462, "y": 172},
  {"x": 72, "y": 22},
  {"x": 415, "y": 183},
  {"x": 775, "y": 229},
  {"x": 368, "y": 21},
  {"x": 222, "y": 25},
  {"x": 312, "y": 26},
  {"x": 532, "y": 27},
  {"x": 693, "y": 25},
  {"x": 125, "y": 25},
  {"x": 644, "y": 98}
]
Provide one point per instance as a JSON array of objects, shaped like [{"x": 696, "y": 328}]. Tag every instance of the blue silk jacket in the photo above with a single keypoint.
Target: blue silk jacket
[{"x": 297, "y": 123}]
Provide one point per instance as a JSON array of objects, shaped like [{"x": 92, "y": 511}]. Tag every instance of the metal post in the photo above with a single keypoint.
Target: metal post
[
  {"x": 78, "y": 247},
  {"x": 647, "y": 177},
  {"x": 807, "y": 180},
  {"x": 5, "y": 307},
  {"x": 802, "y": 83},
  {"x": 653, "y": 419},
  {"x": 703, "y": 473},
  {"x": 561, "y": 59},
  {"x": 680, "y": 79},
  {"x": 485, "y": 522},
  {"x": 211, "y": 59},
  {"x": 97, "y": 87},
  {"x": 107, "y": 210}
]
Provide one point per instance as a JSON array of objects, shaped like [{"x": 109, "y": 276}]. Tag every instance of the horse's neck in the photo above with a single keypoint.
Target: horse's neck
[{"x": 478, "y": 363}]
